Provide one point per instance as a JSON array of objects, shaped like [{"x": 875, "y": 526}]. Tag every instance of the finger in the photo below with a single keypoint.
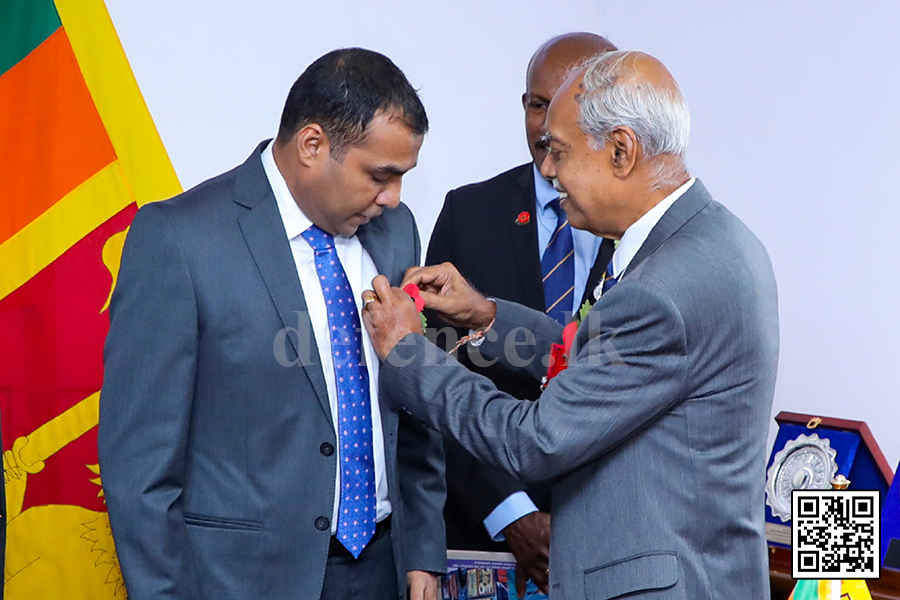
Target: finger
[
  {"x": 521, "y": 581},
  {"x": 383, "y": 289},
  {"x": 436, "y": 302},
  {"x": 416, "y": 591},
  {"x": 540, "y": 577},
  {"x": 410, "y": 276},
  {"x": 420, "y": 276},
  {"x": 404, "y": 302},
  {"x": 367, "y": 321},
  {"x": 401, "y": 295},
  {"x": 424, "y": 276},
  {"x": 368, "y": 297},
  {"x": 418, "y": 584}
]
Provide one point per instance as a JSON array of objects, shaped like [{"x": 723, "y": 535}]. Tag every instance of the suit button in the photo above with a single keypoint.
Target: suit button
[
  {"x": 326, "y": 449},
  {"x": 322, "y": 523}
]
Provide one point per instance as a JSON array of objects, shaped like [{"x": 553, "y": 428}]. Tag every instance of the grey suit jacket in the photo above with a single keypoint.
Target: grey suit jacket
[
  {"x": 217, "y": 461},
  {"x": 654, "y": 438}
]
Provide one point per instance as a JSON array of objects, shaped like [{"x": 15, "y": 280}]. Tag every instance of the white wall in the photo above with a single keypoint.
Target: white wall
[{"x": 795, "y": 109}]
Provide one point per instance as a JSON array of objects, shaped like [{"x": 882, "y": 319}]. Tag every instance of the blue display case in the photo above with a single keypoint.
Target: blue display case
[{"x": 808, "y": 451}]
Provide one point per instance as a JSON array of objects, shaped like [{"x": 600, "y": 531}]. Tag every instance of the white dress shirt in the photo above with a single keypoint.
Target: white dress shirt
[
  {"x": 360, "y": 270},
  {"x": 635, "y": 236}
]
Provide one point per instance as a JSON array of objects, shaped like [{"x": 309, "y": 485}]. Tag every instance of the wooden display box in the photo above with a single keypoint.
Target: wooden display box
[{"x": 869, "y": 465}]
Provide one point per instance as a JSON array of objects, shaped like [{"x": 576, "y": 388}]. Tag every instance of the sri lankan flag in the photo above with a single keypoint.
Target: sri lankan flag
[
  {"x": 836, "y": 589},
  {"x": 78, "y": 155}
]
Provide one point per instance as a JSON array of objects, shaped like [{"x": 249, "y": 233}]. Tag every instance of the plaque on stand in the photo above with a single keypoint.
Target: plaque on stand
[
  {"x": 800, "y": 460},
  {"x": 808, "y": 452}
]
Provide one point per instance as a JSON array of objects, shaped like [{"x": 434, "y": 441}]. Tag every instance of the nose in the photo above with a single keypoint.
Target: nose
[
  {"x": 389, "y": 197},
  {"x": 548, "y": 167}
]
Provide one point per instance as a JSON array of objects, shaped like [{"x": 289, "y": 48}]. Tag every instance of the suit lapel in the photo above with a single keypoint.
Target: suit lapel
[
  {"x": 263, "y": 232},
  {"x": 374, "y": 238},
  {"x": 684, "y": 209},
  {"x": 525, "y": 238}
]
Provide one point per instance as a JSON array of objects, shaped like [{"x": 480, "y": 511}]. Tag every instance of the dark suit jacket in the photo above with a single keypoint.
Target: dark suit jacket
[
  {"x": 218, "y": 460},
  {"x": 655, "y": 436},
  {"x": 477, "y": 231}
]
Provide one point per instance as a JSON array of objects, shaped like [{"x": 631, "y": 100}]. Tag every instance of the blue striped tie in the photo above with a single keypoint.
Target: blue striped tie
[
  {"x": 558, "y": 267},
  {"x": 356, "y": 510}
]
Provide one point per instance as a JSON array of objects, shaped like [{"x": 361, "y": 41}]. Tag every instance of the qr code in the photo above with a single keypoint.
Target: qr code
[{"x": 835, "y": 534}]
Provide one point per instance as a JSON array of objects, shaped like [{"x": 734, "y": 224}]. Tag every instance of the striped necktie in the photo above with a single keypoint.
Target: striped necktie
[
  {"x": 558, "y": 267},
  {"x": 356, "y": 509},
  {"x": 608, "y": 279}
]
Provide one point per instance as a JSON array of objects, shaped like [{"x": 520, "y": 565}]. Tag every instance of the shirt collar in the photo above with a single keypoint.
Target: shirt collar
[
  {"x": 635, "y": 236},
  {"x": 544, "y": 191},
  {"x": 295, "y": 222}
]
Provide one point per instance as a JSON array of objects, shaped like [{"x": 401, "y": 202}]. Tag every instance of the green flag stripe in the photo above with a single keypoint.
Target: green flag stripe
[
  {"x": 24, "y": 24},
  {"x": 806, "y": 590}
]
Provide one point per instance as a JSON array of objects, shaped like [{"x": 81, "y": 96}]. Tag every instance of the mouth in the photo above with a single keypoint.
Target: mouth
[
  {"x": 365, "y": 218},
  {"x": 563, "y": 194}
]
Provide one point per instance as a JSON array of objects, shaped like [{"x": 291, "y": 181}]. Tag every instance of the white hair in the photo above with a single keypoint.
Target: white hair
[{"x": 659, "y": 117}]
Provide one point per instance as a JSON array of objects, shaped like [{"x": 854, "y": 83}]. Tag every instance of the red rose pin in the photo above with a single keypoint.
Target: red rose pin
[{"x": 524, "y": 218}]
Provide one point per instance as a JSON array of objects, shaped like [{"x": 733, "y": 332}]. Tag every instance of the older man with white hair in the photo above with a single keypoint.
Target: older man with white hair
[{"x": 654, "y": 436}]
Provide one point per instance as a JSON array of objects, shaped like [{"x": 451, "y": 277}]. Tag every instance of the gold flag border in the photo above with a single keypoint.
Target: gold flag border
[{"x": 141, "y": 173}]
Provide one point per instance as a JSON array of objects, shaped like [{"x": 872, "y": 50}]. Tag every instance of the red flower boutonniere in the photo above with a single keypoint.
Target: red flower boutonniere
[
  {"x": 524, "y": 218},
  {"x": 559, "y": 353},
  {"x": 413, "y": 291}
]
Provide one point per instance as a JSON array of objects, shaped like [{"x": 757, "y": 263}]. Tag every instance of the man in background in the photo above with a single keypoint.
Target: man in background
[
  {"x": 245, "y": 449},
  {"x": 509, "y": 237}
]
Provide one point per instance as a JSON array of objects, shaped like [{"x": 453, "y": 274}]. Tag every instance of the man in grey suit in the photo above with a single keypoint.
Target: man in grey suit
[
  {"x": 238, "y": 378},
  {"x": 654, "y": 436}
]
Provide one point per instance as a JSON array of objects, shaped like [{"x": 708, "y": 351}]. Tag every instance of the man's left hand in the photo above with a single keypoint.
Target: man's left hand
[
  {"x": 389, "y": 314},
  {"x": 422, "y": 585},
  {"x": 529, "y": 541}
]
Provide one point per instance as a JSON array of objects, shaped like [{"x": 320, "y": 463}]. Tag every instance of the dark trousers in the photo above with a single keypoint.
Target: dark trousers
[{"x": 372, "y": 576}]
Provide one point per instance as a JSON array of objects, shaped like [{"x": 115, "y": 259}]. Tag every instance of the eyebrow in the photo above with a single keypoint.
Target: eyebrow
[
  {"x": 547, "y": 138},
  {"x": 390, "y": 170}
]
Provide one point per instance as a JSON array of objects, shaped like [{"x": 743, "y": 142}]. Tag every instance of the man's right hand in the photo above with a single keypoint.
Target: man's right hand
[
  {"x": 447, "y": 293},
  {"x": 529, "y": 541}
]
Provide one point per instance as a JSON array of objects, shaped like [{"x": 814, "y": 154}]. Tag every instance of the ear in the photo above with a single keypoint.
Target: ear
[
  {"x": 525, "y": 100},
  {"x": 624, "y": 147},
  {"x": 311, "y": 144}
]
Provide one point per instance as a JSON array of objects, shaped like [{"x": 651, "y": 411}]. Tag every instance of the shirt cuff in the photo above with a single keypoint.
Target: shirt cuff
[{"x": 516, "y": 506}]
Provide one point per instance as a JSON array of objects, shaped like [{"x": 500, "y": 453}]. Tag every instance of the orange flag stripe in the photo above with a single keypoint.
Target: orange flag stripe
[{"x": 36, "y": 171}]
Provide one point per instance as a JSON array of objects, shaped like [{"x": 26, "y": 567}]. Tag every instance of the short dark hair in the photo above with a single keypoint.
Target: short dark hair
[{"x": 343, "y": 91}]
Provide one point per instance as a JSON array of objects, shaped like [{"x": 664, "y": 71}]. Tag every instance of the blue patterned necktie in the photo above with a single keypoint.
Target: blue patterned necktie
[
  {"x": 356, "y": 510},
  {"x": 558, "y": 267}
]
